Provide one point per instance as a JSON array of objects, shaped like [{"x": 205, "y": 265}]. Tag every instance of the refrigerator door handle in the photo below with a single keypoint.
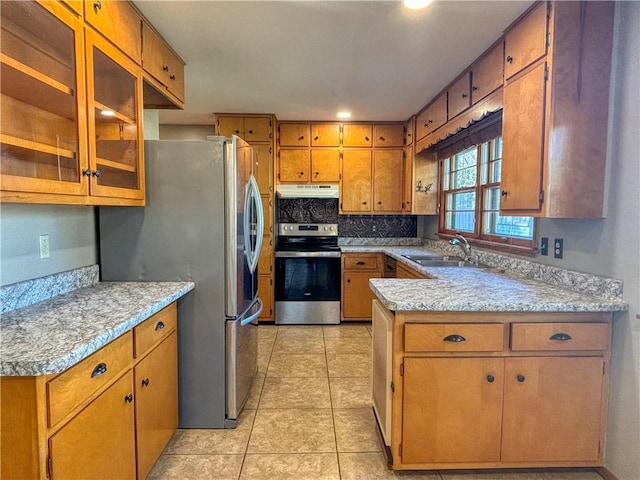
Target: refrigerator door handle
[
  {"x": 253, "y": 196},
  {"x": 251, "y": 318}
]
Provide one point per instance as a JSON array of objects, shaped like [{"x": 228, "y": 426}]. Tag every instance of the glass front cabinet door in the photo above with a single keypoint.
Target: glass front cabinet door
[
  {"x": 114, "y": 85},
  {"x": 43, "y": 117}
]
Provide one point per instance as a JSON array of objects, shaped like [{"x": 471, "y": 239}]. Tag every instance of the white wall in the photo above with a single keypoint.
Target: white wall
[{"x": 72, "y": 234}]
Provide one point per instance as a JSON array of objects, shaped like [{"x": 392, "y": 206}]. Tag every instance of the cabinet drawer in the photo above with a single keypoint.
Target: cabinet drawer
[
  {"x": 559, "y": 336},
  {"x": 119, "y": 22},
  {"x": 361, "y": 262},
  {"x": 454, "y": 337},
  {"x": 154, "y": 329},
  {"x": 71, "y": 388}
]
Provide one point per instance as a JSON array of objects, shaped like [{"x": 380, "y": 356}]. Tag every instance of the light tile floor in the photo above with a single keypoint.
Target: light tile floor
[{"x": 309, "y": 417}]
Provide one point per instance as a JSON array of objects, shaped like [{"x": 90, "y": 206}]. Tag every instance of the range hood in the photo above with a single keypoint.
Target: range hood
[{"x": 308, "y": 191}]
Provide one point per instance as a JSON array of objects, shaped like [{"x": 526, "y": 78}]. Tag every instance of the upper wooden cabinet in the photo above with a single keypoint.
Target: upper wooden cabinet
[
  {"x": 555, "y": 114},
  {"x": 325, "y": 134},
  {"x": 263, "y": 167},
  {"x": 251, "y": 129},
  {"x": 164, "y": 66},
  {"x": 119, "y": 22},
  {"x": 487, "y": 73},
  {"x": 432, "y": 117},
  {"x": 325, "y": 165},
  {"x": 387, "y": 180},
  {"x": 527, "y": 41},
  {"x": 356, "y": 183},
  {"x": 294, "y": 134},
  {"x": 388, "y": 135},
  {"x": 357, "y": 135},
  {"x": 459, "y": 95},
  {"x": 410, "y": 127}
]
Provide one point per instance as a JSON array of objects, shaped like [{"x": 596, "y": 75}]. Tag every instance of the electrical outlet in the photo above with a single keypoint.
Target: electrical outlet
[
  {"x": 544, "y": 246},
  {"x": 557, "y": 248},
  {"x": 44, "y": 246}
]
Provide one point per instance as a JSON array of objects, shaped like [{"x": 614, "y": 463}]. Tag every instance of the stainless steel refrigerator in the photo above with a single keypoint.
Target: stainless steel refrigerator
[{"x": 202, "y": 222}]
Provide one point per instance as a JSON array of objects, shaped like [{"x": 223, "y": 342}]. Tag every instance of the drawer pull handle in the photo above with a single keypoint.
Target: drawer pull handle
[
  {"x": 100, "y": 369},
  {"x": 455, "y": 338},
  {"x": 520, "y": 378},
  {"x": 159, "y": 326},
  {"x": 561, "y": 337},
  {"x": 96, "y": 6},
  {"x": 361, "y": 263},
  {"x": 129, "y": 398},
  {"x": 145, "y": 382},
  {"x": 490, "y": 378}
]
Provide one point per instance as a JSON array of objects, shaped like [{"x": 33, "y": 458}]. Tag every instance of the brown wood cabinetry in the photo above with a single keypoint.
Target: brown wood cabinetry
[
  {"x": 114, "y": 404},
  {"x": 357, "y": 269},
  {"x": 325, "y": 165},
  {"x": 165, "y": 69},
  {"x": 404, "y": 271},
  {"x": 293, "y": 165},
  {"x": 357, "y": 135},
  {"x": 71, "y": 127},
  {"x": 432, "y": 116},
  {"x": 387, "y": 180},
  {"x": 257, "y": 130},
  {"x": 325, "y": 134},
  {"x": 513, "y": 390},
  {"x": 294, "y": 134},
  {"x": 554, "y": 142},
  {"x": 388, "y": 135},
  {"x": 459, "y": 96},
  {"x": 487, "y": 73},
  {"x": 357, "y": 181}
]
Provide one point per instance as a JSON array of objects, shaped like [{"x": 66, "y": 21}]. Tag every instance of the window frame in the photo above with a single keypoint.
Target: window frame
[{"x": 448, "y": 150}]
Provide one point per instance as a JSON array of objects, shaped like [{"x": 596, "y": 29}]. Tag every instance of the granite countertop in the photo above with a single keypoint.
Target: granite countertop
[
  {"x": 479, "y": 289},
  {"x": 53, "y": 335}
]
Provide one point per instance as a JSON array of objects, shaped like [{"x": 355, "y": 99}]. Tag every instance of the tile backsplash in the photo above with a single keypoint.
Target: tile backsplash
[{"x": 325, "y": 210}]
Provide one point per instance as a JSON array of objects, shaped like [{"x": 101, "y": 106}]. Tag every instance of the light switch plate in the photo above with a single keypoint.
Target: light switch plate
[{"x": 44, "y": 246}]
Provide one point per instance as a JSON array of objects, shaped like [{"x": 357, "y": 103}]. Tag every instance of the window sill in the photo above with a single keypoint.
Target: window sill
[{"x": 497, "y": 246}]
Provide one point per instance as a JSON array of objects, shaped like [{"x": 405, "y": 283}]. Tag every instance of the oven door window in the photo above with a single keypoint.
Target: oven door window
[{"x": 307, "y": 279}]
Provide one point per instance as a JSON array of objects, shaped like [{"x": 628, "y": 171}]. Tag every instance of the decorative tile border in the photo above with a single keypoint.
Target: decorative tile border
[
  {"x": 23, "y": 294},
  {"x": 378, "y": 241},
  {"x": 579, "y": 282}
]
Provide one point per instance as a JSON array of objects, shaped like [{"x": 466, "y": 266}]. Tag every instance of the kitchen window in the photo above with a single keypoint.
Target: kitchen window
[{"x": 470, "y": 170}]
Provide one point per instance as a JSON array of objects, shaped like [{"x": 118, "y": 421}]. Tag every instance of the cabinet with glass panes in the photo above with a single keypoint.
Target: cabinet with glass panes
[{"x": 51, "y": 151}]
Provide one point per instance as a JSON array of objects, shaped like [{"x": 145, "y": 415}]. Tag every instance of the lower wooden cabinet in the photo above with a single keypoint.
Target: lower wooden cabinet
[
  {"x": 404, "y": 271},
  {"x": 487, "y": 390},
  {"x": 115, "y": 424},
  {"x": 357, "y": 269}
]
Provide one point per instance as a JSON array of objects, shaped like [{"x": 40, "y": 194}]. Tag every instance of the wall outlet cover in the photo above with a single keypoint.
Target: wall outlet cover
[{"x": 558, "y": 248}]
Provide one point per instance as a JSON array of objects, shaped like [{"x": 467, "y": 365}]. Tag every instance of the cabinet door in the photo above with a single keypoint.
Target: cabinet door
[
  {"x": 523, "y": 137},
  {"x": 119, "y": 22},
  {"x": 387, "y": 180},
  {"x": 160, "y": 61},
  {"x": 552, "y": 409},
  {"x": 265, "y": 292},
  {"x": 325, "y": 134},
  {"x": 257, "y": 129},
  {"x": 42, "y": 112},
  {"x": 294, "y": 134},
  {"x": 486, "y": 75},
  {"x": 459, "y": 95},
  {"x": 356, "y": 294},
  {"x": 357, "y": 135},
  {"x": 407, "y": 179},
  {"x": 410, "y": 127},
  {"x": 388, "y": 135},
  {"x": 99, "y": 443},
  {"x": 382, "y": 339},
  {"x": 263, "y": 167},
  {"x": 156, "y": 390},
  {"x": 267, "y": 208},
  {"x": 432, "y": 117},
  {"x": 265, "y": 261},
  {"x": 293, "y": 165},
  {"x": 228, "y": 126},
  {"x": 452, "y": 410},
  {"x": 115, "y": 121},
  {"x": 355, "y": 189},
  {"x": 526, "y": 42},
  {"x": 325, "y": 165}
]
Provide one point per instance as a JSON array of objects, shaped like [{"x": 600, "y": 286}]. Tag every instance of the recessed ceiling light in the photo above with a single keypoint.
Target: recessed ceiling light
[
  {"x": 415, "y": 4},
  {"x": 344, "y": 115}
]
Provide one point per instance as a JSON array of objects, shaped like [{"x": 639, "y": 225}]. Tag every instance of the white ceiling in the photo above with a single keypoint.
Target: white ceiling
[{"x": 305, "y": 60}]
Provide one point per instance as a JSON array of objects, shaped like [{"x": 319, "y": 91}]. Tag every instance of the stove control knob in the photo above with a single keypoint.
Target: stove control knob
[
  {"x": 326, "y": 228},
  {"x": 331, "y": 229}
]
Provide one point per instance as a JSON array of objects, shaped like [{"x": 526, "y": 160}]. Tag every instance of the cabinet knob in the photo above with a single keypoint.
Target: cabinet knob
[
  {"x": 382, "y": 139},
  {"x": 145, "y": 382},
  {"x": 474, "y": 88},
  {"x": 464, "y": 95},
  {"x": 379, "y": 203},
  {"x": 251, "y": 131},
  {"x": 366, "y": 138},
  {"x": 301, "y": 137},
  {"x": 509, "y": 59},
  {"x": 96, "y": 173},
  {"x": 317, "y": 173},
  {"x": 364, "y": 203},
  {"x": 172, "y": 77},
  {"x": 238, "y": 131},
  {"x": 100, "y": 369},
  {"x": 165, "y": 68},
  {"x": 97, "y": 6},
  {"x": 348, "y": 280},
  {"x": 159, "y": 326},
  {"x": 129, "y": 398},
  {"x": 360, "y": 263},
  {"x": 301, "y": 173},
  {"x": 561, "y": 337},
  {"x": 316, "y": 137},
  {"x": 490, "y": 378},
  {"x": 504, "y": 193},
  {"x": 87, "y": 172},
  {"x": 520, "y": 378}
]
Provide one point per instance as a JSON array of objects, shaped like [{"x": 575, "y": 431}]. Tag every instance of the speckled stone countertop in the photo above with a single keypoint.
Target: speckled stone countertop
[
  {"x": 55, "y": 334},
  {"x": 485, "y": 289}
]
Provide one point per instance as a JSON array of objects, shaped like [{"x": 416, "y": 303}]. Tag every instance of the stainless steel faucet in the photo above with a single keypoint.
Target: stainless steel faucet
[{"x": 461, "y": 242}]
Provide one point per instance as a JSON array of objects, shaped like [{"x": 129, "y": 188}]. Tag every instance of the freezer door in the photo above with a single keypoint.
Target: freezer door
[{"x": 242, "y": 359}]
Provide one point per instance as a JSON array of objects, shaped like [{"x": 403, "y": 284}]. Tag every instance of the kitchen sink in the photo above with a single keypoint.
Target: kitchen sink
[{"x": 441, "y": 261}]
